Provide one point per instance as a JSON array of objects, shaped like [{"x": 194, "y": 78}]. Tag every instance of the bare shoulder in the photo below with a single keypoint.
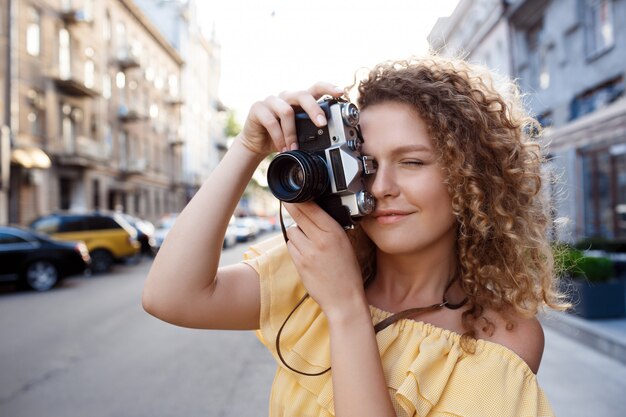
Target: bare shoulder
[{"x": 522, "y": 335}]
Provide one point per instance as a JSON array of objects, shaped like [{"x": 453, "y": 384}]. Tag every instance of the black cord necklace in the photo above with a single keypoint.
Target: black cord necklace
[{"x": 409, "y": 313}]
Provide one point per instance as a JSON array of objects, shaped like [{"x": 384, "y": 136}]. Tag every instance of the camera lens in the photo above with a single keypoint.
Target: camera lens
[
  {"x": 297, "y": 176},
  {"x": 350, "y": 114}
]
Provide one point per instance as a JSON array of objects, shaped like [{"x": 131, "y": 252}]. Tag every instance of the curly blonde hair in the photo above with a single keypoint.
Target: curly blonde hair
[{"x": 487, "y": 146}]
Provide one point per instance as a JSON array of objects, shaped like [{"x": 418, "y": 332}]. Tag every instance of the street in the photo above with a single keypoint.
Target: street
[{"x": 88, "y": 349}]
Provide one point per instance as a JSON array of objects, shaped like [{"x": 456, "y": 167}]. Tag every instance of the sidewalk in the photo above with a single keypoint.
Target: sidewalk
[{"x": 605, "y": 336}]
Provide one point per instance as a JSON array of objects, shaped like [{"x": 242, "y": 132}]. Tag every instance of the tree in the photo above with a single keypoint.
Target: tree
[{"x": 232, "y": 127}]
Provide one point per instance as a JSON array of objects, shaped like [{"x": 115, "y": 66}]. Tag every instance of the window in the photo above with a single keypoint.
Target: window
[
  {"x": 47, "y": 224},
  {"x": 604, "y": 187},
  {"x": 10, "y": 239},
  {"x": 89, "y": 73},
  {"x": 106, "y": 86},
  {"x": 599, "y": 20},
  {"x": 72, "y": 224},
  {"x": 33, "y": 32},
  {"x": 106, "y": 28},
  {"x": 172, "y": 82},
  {"x": 538, "y": 58},
  {"x": 108, "y": 140},
  {"x": 121, "y": 40},
  {"x": 596, "y": 98},
  {"x": 65, "y": 67},
  {"x": 122, "y": 149},
  {"x": 102, "y": 223}
]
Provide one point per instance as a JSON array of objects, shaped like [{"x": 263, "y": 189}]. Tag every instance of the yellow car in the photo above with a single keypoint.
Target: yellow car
[{"x": 108, "y": 236}]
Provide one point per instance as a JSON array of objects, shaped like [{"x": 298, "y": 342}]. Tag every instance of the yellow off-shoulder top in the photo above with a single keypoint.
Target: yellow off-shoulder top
[{"x": 427, "y": 371}]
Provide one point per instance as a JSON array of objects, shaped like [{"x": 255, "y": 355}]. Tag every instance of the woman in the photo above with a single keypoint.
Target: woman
[{"x": 458, "y": 235}]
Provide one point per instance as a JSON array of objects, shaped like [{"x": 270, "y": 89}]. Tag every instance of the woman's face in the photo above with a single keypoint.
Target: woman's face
[{"x": 413, "y": 208}]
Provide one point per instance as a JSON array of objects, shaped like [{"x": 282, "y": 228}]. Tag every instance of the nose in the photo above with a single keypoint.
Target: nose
[{"x": 383, "y": 183}]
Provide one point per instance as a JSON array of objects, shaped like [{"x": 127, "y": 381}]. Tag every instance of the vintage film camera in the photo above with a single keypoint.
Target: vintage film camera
[{"x": 327, "y": 167}]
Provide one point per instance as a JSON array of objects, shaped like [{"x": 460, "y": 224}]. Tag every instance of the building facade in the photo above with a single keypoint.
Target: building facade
[
  {"x": 95, "y": 110},
  {"x": 202, "y": 121},
  {"x": 569, "y": 59}
]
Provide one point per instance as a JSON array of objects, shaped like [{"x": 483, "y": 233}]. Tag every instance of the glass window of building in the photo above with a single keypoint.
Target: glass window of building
[
  {"x": 121, "y": 41},
  {"x": 64, "y": 54},
  {"x": 68, "y": 128},
  {"x": 89, "y": 73},
  {"x": 106, "y": 27},
  {"x": 172, "y": 82},
  {"x": 599, "y": 16},
  {"x": 33, "y": 32},
  {"x": 106, "y": 86},
  {"x": 121, "y": 149}
]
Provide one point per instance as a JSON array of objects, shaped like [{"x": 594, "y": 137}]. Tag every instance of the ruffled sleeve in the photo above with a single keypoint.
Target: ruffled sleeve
[
  {"x": 281, "y": 289},
  {"x": 429, "y": 374}
]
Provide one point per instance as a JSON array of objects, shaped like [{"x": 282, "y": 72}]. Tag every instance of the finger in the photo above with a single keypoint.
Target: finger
[
  {"x": 285, "y": 113},
  {"x": 310, "y": 218},
  {"x": 306, "y": 102},
  {"x": 298, "y": 239},
  {"x": 321, "y": 88},
  {"x": 270, "y": 123},
  {"x": 294, "y": 252}
]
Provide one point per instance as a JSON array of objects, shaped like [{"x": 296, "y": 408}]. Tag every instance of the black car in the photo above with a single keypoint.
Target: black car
[{"x": 38, "y": 261}]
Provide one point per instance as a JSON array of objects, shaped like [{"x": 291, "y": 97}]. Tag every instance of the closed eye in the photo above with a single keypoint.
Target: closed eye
[{"x": 412, "y": 162}]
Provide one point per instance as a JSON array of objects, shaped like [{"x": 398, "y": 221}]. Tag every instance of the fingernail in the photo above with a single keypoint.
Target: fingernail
[
  {"x": 294, "y": 146},
  {"x": 284, "y": 149},
  {"x": 339, "y": 90},
  {"x": 321, "y": 120}
]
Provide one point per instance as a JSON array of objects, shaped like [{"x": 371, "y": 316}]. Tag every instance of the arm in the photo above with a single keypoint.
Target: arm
[
  {"x": 359, "y": 385},
  {"x": 184, "y": 285}
]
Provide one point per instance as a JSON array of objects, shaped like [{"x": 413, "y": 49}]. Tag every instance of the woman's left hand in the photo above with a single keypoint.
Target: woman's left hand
[{"x": 324, "y": 258}]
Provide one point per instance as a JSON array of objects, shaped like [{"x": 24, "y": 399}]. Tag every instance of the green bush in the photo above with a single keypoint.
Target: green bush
[{"x": 574, "y": 263}]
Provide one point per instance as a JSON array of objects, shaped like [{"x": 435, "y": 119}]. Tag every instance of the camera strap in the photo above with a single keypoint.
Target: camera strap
[{"x": 409, "y": 313}]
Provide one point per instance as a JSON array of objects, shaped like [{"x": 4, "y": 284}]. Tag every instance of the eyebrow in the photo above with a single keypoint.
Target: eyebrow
[{"x": 411, "y": 148}]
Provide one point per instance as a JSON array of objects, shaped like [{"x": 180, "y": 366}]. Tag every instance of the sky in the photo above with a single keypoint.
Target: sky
[{"x": 268, "y": 46}]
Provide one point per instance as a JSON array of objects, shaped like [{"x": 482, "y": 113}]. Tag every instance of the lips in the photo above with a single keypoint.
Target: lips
[{"x": 390, "y": 216}]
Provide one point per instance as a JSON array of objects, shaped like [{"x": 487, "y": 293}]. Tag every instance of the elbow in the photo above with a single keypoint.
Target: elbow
[
  {"x": 147, "y": 302},
  {"x": 151, "y": 302}
]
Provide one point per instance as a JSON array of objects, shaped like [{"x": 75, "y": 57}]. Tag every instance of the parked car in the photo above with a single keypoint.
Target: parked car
[
  {"x": 108, "y": 236},
  {"x": 163, "y": 226},
  {"x": 37, "y": 261},
  {"x": 145, "y": 233},
  {"x": 246, "y": 228},
  {"x": 230, "y": 238},
  {"x": 263, "y": 223}
]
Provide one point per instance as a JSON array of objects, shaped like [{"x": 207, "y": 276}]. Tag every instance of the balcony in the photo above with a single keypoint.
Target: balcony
[
  {"x": 176, "y": 100},
  {"x": 74, "y": 87},
  {"x": 134, "y": 167},
  {"x": 129, "y": 114},
  {"x": 79, "y": 152},
  {"x": 127, "y": 59},
  {"x": 175, "y": 138},
  {"x": 70, "y": 83},
  {"x": 72, "y": 16}
]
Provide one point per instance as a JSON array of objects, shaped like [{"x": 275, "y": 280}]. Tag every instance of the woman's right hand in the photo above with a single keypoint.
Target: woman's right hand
[{"x": 270, "y": 125}]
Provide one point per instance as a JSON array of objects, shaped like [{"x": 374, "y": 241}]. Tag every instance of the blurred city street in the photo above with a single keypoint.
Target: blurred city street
[
  {"x": 113, "y": 114},
  {"x": 89, "y": 349}
]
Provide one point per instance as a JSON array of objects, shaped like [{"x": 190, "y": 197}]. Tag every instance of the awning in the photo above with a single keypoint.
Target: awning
[{"x": 30, "y": 157}]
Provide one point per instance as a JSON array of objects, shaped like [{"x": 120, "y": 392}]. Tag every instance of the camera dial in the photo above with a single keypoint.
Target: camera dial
[
  {"x": 350, "y": 114},
  {"x": 366, "y": 202}
]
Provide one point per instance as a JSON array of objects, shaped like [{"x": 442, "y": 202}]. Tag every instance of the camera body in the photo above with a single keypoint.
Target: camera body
[{"x": 328, "y": 166}]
